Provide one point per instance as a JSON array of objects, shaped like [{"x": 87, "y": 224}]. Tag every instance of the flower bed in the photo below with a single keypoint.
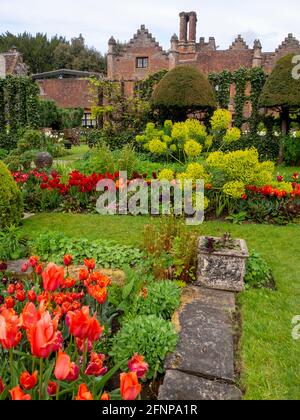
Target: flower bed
[{"x": 56, "y": 334}]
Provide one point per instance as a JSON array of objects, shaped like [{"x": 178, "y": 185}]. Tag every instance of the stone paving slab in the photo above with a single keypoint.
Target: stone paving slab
[
  {"x": 206, "y": 345},
  {"x": 179, "y": 386}
]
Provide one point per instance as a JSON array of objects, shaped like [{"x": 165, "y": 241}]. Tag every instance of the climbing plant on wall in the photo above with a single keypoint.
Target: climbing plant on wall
[
  {"x": 222, "y": 82},
  {"x": 19, "y": 103},
  {"x": 257, "y": 80},
  {"x": 2, "y": 106},
  {"x": 145, "y": 88},
  {"x": 241, "y": 78}
]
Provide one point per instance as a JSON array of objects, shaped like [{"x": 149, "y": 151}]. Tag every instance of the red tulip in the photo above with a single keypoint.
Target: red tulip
[
  {"x": 19, "y": 286},
  {"x": 2, "y": 386},
  {"x": 83, "y": 326},
  {"x": 84, "y": 394},
  {"x": 90, "y": 264},
  {"x": 21, "y": 295},
  {"x": 39, "y": 269},
  {"x": 28, "y": 381},
  {"x": 3, "y": 267},
  {"x": 18, "y": 395},
  {"x": 83, "y": 274},
  {"x": 44, "y": 337},
  {"x": 10, "y": 335},
  {"x": 105, "y": 397},
  {"x": 25, "y": 267},
  {"x": 52, "y": 389},
  {"x": 11, "y": 289},
  {"x": 30, "y": 315},
  {"x": 33, "y": 261},
  {"x": 280, "y": 178},
  {"x": 95, "y": 367},
  {"x": 137, "y": 364},
  {"x": 31, "y": 296},
  {"x": 98, "y": 293},
  {"x": 130, "y": 387},
  {"x": 68, "y": 260},
  {"x": 64, "y": 369},
  {"x": 81, "y": 344},
  {"x": 53, "y": 276},
  {"x": 10, "y": 302}
]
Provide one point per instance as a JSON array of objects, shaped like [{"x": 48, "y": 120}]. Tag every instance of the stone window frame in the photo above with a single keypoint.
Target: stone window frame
[{"x": 142, "y": 62}]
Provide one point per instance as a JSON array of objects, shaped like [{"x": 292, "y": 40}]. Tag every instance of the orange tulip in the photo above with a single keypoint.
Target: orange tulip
[
  {"x": 44, "y": 337},
  {"x": 28, "y": 381},
  {"x": 10, "y": 324},
  {"x": 105, "y": 397},
  {"x": 98, "y": 293},
  {"x": 82, "y": 326},
  {"x": 53, "y": 277},
  {"x": 30, "y": 315},
  {"x": 18, "y": 395},
  {"x": 90, "y": 264},
  {"x": 84, "y": 394},
  {"x": 100, "y": 279},
  {"x": 130, "y": 387},
  {"x": 64, "y": 369},
  {"x": 83, "y": 274}
]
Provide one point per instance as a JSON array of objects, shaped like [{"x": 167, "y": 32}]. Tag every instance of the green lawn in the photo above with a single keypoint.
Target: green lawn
[
  {"x": 270, "y": 356},
  {"x": 76, "y": 153}
]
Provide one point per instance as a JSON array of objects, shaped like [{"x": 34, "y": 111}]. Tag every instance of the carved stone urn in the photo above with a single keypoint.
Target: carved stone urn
[{"x": 223, "y": 268}]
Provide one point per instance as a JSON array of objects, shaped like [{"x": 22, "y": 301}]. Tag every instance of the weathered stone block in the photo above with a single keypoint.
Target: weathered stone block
[
  {"x": 179, "y": 386},
  {"x": 224, "y": 269}
]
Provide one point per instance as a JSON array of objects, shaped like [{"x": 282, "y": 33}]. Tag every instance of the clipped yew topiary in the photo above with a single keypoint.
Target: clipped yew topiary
[
  {"x": 11, "y": 203},
  {"x": 182, "y": 91},
  {"x": 282, "y": 90}
]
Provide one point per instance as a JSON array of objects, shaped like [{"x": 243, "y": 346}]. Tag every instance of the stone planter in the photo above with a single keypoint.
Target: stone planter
[{"x": 224, "y": 269}]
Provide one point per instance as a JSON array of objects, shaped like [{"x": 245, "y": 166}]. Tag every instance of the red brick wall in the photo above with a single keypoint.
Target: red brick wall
[{"x": 68, "y": 93}]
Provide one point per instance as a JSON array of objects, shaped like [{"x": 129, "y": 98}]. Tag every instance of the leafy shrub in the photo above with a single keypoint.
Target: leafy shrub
[
  {"x": 11, "y": 203},
  {"x": 13, "y": 245},
  {"x": 53, "y": 246},
  {"x": 3, "y": 154},
  {"x": 258, "y": 272},
  {"x": 163, "y": 298},
  {"x": 182, "y": 90},
  {"x": 148, "y": 335},
  {"x": 292, "y": 150}
]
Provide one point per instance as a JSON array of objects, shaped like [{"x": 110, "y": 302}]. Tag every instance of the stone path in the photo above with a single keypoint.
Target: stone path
[{"x": 202, "y": 367}]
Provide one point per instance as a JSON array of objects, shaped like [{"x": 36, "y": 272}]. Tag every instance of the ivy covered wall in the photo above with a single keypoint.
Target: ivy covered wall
[
  {"x": 19, "y": 104},
  {"x": 244, "y": 80}
]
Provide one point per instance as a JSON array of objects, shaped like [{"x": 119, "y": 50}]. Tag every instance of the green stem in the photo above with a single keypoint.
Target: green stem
[
  {"x": 41, "y": 377},
  {"x": 11, "y": 362}
]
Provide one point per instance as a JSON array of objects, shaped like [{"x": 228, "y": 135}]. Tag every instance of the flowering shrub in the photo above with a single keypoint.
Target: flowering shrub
[{"x": 51, "y": 327}]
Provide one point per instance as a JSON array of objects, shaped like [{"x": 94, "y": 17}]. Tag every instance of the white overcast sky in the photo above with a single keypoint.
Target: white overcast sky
[{"x": 97, "y": 20}]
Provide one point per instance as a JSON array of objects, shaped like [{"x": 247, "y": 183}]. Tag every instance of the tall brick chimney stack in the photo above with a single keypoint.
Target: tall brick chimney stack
[
  {"x": 257, "y": 54},
  {"x": 183, "y": 28},
  {"x": 192, "y": 27},
  {"x": 111, "y": 58}
]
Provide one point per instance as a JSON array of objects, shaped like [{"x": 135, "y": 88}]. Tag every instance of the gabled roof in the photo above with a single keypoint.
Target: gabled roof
[{"x": 141, "y": 34}]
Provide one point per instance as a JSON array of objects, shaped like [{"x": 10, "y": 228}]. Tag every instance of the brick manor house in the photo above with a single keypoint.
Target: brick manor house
[{"x": 143, "y": 55}]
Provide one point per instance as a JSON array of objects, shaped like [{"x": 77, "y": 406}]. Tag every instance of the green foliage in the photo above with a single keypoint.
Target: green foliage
[
  {"x": 108, "y": 254},
  {"x": 2, "y": 107},
  {"x": 222, "y": 82},
  {"x": 11, "y": 204},
  {"x": 281, "y": 88},
  {"x": 49, "y": 114},
  {"x": 182, "y": 90},
  {"x": 171, "y": 249},
  {"x": 13, "y": 245},
  {"x": 147, "y": 335},
  {"x": 145, "y": 88},
  {"x": 71, "y": 118},
  {"x": 103, "y": 160},
  {"x": 240, "y": 79},
  {"x": 291, "y": 150},
  {"x": 44, "y": 54},
  {"x": 163, "y": 298},
  {"x": 258, "y": 272}
]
